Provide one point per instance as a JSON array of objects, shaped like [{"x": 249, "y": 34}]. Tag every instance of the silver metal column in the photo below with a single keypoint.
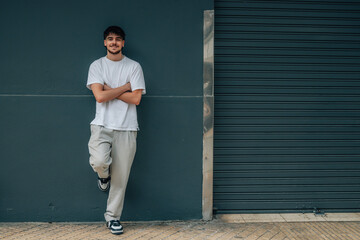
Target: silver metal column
[{"x": 208, "y": 120}]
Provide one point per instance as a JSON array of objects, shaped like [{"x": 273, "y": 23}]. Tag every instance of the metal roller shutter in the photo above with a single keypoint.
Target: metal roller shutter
[{"x": 287, "y": 106}]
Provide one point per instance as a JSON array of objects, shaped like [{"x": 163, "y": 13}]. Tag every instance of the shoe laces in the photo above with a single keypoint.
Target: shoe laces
[
  {"x": 115, "y": 223},
  {"x": 104, "y": 180}
]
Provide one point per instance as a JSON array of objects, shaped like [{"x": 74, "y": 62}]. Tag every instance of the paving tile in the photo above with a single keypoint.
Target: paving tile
[
  {"x": 279, "y": 236},
  {"x": 342, "y": 217},
  {"x": 262, "y": 218},
  {"x": 231, "y": 218},
  {"x": 177, "y": 234},
  {"x": 302, "y": 217},
  {"x": 164, "y": 233},
  {"x": 259, "y": 232},
  {"x": 218, "y": 234},
  {"x": 247, "y": 230},
  {"x": 270, "y": 233}
]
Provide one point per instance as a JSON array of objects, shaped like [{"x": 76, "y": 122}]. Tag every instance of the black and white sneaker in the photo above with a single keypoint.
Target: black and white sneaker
[
  {"x": 115, "y": 227},
  {"x": 104, "y": 184}
]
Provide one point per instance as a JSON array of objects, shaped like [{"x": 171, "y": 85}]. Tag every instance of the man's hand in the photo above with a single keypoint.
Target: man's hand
[
  {"x": 128, "y": 97},
  {"x": 127, "y": 87},
  {"x": 133, "y": 97},
  {"x": 102, "y": 95}
]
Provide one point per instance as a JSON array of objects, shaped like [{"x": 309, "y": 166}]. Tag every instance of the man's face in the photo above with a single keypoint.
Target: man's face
[{"x": 114, "y": 43}]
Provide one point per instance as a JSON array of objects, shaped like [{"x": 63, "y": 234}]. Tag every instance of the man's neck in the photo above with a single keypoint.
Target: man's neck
[{"x": 115, "y": 57}]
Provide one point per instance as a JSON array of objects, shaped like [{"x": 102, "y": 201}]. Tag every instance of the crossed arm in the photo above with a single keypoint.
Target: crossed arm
[{"x": 104, "y": 93}]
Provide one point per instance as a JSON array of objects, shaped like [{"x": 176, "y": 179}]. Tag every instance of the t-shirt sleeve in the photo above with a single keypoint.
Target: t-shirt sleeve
[
  {"x": 137, "y": 79},
  {"x": 94, "y": 75}
]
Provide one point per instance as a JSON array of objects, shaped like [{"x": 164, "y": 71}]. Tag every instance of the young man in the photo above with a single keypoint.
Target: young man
[{"x": 117, "y": 83}]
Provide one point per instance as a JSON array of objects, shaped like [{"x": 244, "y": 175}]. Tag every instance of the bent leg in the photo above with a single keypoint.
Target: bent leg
[
  {"x": 123, "y": 153},
  {"x": 100, "y": 150}
]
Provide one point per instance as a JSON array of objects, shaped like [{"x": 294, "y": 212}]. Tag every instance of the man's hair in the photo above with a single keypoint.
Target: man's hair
[{"x": 115, "y": 30}]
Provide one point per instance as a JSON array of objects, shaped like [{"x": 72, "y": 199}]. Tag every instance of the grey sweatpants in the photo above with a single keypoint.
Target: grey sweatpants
[{"x": 112, "y": 153}]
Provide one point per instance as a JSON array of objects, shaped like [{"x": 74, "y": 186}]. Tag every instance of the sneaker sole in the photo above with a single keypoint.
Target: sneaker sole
[
  {"x": 103, "y": 190},
  {"x": 117, "y": 232}
]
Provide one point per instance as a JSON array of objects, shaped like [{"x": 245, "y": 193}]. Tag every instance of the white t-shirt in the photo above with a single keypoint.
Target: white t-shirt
[{"x": 116, "y": 114}]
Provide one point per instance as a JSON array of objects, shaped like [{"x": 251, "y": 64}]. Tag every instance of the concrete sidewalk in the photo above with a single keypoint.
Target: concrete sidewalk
[{"x": 244, "y": 226}]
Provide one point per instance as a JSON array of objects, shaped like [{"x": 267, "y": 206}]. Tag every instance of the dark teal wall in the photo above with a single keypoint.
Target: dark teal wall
[{"x": 46, "y": 49}]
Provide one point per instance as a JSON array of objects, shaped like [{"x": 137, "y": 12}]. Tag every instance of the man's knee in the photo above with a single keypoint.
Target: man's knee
[
  {"x": 97, "y": 162},
  {"x": 100, "y": 166},
  {"x": 99, "y": 155}
]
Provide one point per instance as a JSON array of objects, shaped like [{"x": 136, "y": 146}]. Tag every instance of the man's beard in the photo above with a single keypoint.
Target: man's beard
[{"x": 114, "y": 53}]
